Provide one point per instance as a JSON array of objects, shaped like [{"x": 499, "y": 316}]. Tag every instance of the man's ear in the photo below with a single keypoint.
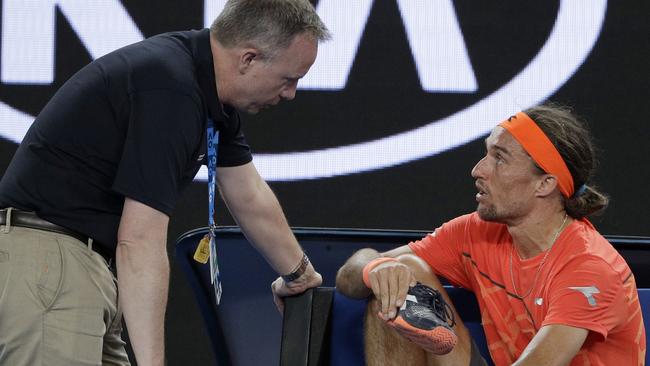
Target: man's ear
[
  {"x": 247, "y": 57},
  {"x": 546, "y": 185}
]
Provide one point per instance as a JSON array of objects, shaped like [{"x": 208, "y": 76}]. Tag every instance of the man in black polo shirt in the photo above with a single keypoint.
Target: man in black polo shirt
[{"x": 104, "y": 163}]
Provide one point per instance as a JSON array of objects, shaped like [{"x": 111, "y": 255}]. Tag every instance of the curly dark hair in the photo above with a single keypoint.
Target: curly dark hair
[{"x": 573, "y": 140}]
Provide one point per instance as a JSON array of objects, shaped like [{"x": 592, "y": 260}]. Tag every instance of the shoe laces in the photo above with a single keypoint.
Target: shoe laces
[{"x": 433, "y": 299}]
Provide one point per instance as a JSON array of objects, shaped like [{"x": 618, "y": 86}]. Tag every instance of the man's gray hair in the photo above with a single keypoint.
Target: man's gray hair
[{"x": 268, "y": 25}]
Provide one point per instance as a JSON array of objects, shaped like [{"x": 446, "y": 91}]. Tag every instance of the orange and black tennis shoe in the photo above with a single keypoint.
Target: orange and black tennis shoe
[{"x": 426, "y": 319}]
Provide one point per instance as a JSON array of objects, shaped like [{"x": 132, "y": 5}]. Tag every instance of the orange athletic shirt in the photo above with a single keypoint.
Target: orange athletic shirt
[{"x": 584, "y": 283}]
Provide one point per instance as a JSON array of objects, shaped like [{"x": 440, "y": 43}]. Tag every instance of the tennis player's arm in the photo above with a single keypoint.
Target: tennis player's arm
[
  {"x": 349, "y": 277},
  {"x": 553, "y": 345},
  {"x": 143, "y": 279}
]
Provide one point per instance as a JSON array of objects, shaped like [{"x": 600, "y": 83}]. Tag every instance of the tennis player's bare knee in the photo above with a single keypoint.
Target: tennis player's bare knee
[
  {"x": 384, "y": 346},
  {"x": 424, "y": 274},
  {"x": 421, "y": 270}
]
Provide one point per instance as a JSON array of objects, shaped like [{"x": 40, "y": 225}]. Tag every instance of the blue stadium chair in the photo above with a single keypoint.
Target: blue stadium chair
[
  {"x": 320, "y": 327},
  {"x": 247, "y": 315},
  {"x": 198, "y": 276}
]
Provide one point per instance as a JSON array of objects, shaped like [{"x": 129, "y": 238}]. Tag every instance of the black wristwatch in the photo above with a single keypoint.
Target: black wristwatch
[{"x": 304, "y": 262}]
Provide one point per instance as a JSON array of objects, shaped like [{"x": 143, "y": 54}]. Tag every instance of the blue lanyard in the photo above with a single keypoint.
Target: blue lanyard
[{"x": 213, "y": 142}]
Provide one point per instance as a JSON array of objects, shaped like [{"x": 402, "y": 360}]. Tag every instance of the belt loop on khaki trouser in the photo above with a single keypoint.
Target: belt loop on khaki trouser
[
  {"x": 7, "y": 226},
  {"x": 90, "y": 243}
]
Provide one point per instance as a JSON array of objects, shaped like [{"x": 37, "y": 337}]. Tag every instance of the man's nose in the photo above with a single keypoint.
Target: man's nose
[
  {"x": 289, "y": 92},
  {"x": 477, "y": 170}
]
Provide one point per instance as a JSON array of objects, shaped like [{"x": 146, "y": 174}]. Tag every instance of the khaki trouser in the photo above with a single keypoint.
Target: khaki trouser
[{"x": 58, "y": 302}]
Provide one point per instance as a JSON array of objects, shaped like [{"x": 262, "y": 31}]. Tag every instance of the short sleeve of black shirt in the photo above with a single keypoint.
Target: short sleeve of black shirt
[
  {"x": 160, "y": 150},
  {"x": 157, "y": 153}
]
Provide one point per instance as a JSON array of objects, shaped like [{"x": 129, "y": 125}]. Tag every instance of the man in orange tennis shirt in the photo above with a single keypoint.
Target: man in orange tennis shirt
[{"x": 551, "y": 289}]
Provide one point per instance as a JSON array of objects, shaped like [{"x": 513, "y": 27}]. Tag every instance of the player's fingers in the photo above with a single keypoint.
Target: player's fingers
[
  {"x": 279, "y": 303},
  {"x": 384, "y": 292},
  {"x": 404, "y": 280}
]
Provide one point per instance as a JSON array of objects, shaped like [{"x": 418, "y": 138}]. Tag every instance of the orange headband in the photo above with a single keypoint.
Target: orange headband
[{"x": 541, "y": 149}]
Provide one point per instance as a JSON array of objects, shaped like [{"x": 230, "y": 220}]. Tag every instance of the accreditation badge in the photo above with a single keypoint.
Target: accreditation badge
[{"x": 215, "y": 277}]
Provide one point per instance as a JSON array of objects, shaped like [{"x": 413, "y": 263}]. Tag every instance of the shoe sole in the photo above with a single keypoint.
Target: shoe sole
[{"x": 438, "y": 341}]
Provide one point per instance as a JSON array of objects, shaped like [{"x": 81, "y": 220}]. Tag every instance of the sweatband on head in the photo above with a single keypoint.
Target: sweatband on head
[
  {"x": 372, "y": 264},
  {"x": 540, "y": 149}
]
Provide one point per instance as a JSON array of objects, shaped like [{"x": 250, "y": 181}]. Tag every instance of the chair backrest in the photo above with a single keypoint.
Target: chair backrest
[
  {"x": 198, "y": 276},
  {"x": 247, "y": 315}
]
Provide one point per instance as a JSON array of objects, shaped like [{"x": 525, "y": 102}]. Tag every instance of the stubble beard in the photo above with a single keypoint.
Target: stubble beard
[{"x": 488, "y": 213}]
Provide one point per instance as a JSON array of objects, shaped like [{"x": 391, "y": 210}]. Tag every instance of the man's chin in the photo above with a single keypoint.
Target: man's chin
[
  {"x": 252, "y": 110},
  {"x": 256, "y": 108},
  {"x": 487, "y": 213}
]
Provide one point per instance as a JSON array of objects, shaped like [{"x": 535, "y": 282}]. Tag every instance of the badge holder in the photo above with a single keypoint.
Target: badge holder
[{"x": 207, "y": 248}]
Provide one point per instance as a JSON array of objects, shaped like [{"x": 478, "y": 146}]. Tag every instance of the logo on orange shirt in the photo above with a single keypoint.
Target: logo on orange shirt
[{"x": 588, "y": 292}]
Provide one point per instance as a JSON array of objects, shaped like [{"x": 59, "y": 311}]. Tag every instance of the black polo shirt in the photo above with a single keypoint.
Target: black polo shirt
[{"x": 129, "y": 124}]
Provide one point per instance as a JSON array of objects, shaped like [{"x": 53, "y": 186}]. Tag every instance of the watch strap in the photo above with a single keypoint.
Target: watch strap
[{"x": 295, "y": 274}]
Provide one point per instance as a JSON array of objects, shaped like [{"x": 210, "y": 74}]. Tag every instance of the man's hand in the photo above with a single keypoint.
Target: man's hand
[
  {"x": 390, "y": 282},
  {"x": 281, "y": 289}
]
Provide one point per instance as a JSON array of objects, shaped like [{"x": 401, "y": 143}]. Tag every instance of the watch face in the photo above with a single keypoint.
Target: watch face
[{"x": 290, "y": 277}]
